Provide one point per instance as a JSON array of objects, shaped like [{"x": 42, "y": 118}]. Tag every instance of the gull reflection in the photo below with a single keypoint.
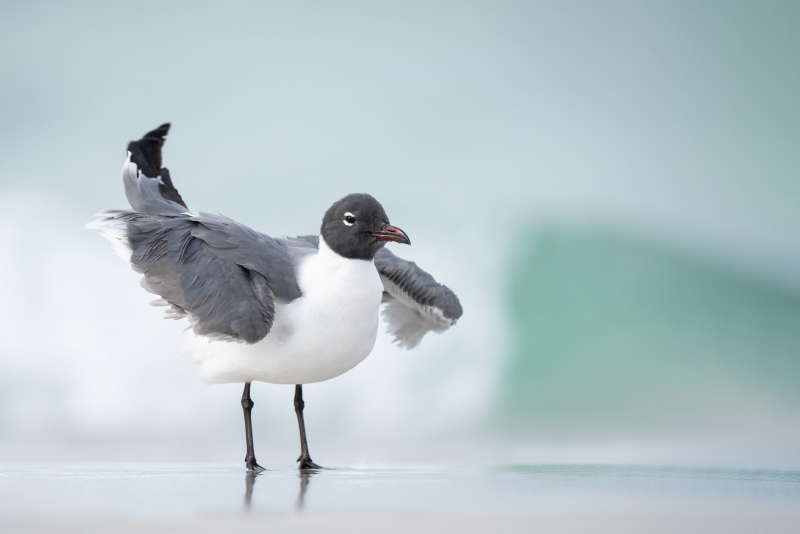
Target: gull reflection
[
  {"x": 250, "y": 481},
  {"x": 305, "y": 476}
]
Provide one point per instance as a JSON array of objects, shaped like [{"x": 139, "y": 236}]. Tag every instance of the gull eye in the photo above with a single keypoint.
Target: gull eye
[{"x": 349, "y": 219}]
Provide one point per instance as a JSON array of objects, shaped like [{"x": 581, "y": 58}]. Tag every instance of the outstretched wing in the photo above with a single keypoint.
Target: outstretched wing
[
  {"x": 415, "y": 302},
  {"x": 221, "y": 275}
]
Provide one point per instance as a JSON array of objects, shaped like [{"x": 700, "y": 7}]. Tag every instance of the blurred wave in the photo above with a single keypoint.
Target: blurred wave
[{"x": 616, "y": 336}]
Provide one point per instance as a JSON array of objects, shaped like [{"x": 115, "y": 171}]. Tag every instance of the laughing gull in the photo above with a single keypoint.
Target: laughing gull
[{"x": 292, "y": 310}]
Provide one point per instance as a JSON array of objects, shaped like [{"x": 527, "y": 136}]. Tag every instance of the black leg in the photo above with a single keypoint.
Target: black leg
[
  {"x": 247, "y": 406},
  {"x": 305, "y": 458}
]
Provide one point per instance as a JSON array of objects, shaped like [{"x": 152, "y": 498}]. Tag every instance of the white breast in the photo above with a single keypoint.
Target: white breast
[{"x": 324, "y": 333}]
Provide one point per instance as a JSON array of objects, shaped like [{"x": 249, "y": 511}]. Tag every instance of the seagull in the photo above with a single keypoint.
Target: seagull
[{"x": 281, "y": 310}]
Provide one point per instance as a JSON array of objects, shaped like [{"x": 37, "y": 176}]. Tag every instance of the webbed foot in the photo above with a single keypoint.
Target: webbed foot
[
  {"x": 252, "y": 465},
  {"x": 307, "y": 463}
]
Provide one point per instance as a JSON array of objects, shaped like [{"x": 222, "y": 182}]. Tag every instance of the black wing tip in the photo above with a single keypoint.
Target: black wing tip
[
  {"x": 146, "y": 154},
  {"x": 159, "y": 133},
  {"x": 168, "y": 190},
  {"x": 154, "y": 139}
]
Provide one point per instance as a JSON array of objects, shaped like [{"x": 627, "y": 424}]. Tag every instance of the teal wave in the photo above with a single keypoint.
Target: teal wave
[{"x": 612, "y": 334}]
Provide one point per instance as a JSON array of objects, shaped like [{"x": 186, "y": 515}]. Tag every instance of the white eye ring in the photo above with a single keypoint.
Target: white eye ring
[{"x": 349, "y": 219}]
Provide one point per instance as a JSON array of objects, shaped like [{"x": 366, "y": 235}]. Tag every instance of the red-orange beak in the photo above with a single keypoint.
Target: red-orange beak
[{"x": 392, "y": 233}]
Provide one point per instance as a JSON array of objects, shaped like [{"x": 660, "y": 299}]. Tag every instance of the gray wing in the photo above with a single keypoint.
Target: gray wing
[
  {"x": 415, "y": 302},
  {"x": 221, "y": 275}
]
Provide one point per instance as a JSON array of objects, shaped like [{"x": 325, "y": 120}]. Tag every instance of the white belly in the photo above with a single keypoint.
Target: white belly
[{"x": 326, "y": 332}]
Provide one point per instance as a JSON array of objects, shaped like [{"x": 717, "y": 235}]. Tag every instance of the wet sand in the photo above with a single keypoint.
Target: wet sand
[{"x": 89, "y": 497}]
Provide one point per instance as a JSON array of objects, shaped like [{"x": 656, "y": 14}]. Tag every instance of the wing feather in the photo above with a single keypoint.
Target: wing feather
[
  {"x": 219, "y": 274},
  {"x": 415, "y": 302}
]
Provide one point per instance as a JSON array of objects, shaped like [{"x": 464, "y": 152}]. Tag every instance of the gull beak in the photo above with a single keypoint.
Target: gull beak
[{"x": 392, "y": 233}]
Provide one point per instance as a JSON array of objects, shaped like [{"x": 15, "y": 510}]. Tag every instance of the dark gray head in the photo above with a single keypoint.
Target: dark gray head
[{"x": 356, "y": 227}]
